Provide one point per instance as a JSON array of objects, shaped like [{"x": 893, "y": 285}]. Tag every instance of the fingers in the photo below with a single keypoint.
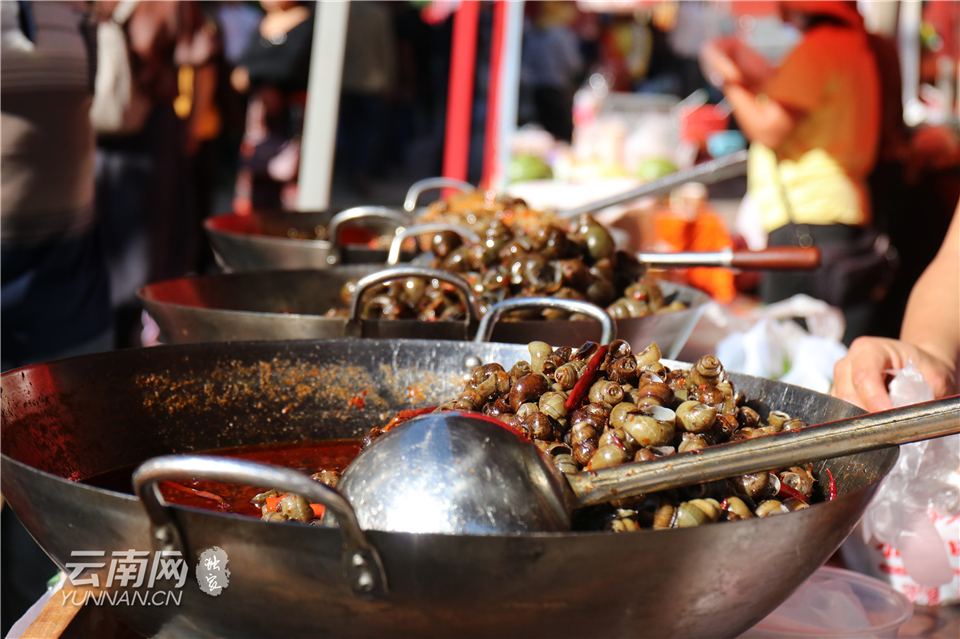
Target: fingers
[
  {"x": 859, "y": 377},
  {"x": 871, "y": 386}
]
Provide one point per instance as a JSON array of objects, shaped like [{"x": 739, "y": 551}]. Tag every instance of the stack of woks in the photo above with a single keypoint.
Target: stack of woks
[
  {"x": 509, "y": 252},
  {"x": 476, "y": 267}
]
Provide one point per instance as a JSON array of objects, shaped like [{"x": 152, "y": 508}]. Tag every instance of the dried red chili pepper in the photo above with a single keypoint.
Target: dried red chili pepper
[
  {"x": 789, "y": 492},
  {"x": 832, "y": 490},
  {"x": 589, "y": 376}
]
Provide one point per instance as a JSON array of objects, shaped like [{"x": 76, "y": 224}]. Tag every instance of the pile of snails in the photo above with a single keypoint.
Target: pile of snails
[
  {"x": 579, "y": 263},
  {"x": 601, "y": 406},
  {"x": 476, "y": 209}
]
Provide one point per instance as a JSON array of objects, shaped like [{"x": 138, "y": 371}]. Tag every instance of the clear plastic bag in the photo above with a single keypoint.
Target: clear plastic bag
[
  {"x": 778, "y": 348},
  {"x": 909, "y": 531}
]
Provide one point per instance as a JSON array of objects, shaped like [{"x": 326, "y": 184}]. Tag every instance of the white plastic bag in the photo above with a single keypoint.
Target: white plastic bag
[
  {"x": 911, "y": 529},
  {"x": 778, "y": 348}
]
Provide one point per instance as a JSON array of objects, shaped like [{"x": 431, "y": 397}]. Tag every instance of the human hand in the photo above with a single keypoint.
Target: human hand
[
  {"x": 860, "y": 377},
  {"x": 717, "y": 65}
]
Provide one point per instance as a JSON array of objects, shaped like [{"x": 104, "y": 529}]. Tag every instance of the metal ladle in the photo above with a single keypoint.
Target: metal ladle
[{"x": 464, "y": 473}]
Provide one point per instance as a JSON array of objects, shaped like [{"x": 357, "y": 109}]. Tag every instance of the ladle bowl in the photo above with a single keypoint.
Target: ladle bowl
[{"x": 455, "y": 472}]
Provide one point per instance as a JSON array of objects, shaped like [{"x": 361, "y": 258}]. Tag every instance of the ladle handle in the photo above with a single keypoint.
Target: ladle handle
[
  {"x": 781, "y": 258},
  {"x": 608, "y": 328},
  {"x": 406, "y": 271},
  {"x": 423, "y": 229},
  {"x": 361, "y": 560},
  {"x": 413, "y": 194},
  {"x": 729, "y": 166},
  {"x": 834, "y": 439}
]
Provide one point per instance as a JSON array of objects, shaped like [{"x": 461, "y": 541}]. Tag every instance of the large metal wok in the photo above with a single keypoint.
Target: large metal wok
[
  {"x": 68, "y": 420},
  {"x": 291, "y": 304},
  {"x": 260, "y": 241}
]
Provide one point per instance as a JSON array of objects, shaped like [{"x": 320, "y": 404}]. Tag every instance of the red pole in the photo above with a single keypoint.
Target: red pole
[
  {"x": 492, "y": 126},
  {"x": 463, "y": 57}
]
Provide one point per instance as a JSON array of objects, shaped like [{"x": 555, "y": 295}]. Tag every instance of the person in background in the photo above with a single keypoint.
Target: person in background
[
  {"x": 274, "y": 70},
  {"x": 148, "y": 218},
  {"x": 369, "y": 81},
  {"x": 200, "y": 106},
  {"x": 55, "y": 293},
  {"x": 55, "y": 299},
  {"x": 552, "y": 61},
  {"x": 930, "y": 336},
  {"x": 237, "y": 22},
  {"x": 814, "y": 127}
]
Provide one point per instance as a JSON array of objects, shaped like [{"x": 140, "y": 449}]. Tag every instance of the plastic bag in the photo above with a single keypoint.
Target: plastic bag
[
  {"x": 910, "y": 529},
  {"x": 778, "y": 348}
]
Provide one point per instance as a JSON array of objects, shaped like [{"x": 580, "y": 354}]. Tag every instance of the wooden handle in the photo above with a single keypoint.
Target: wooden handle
[
  {"x": 778, "y": 258},
  {"x": 56, "y": 614}
]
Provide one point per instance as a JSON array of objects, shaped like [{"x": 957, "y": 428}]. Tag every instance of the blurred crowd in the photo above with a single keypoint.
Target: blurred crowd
[{"x": 196, "y": 108}]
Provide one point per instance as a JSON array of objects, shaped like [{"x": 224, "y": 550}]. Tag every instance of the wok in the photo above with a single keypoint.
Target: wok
[
  {"x": 291, "y": 304},
  {"x": 67, "y": 420},
  {"x": 260, "y": 241}
]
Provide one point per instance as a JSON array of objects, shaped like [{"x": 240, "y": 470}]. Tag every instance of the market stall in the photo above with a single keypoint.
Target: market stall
[{"x": 507, "y": 336}]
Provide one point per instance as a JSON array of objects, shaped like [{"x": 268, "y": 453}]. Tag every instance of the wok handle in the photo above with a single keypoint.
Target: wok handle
[
  {"x": 860, "y": 434},
  {"x": 608, "y": 328},
  {"x": 405, "y": 271},
  {"x": 729, "y": 166},
  {"x": 361, "y": 560},
  {"x": 781, "y": 258},
  {"x": 413, "y": 194},
  {"x": 423, "y": 229},
  {"x": 355, "y": 213}
]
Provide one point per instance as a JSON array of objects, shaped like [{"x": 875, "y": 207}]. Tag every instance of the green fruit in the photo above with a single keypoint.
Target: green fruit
[
  {"x": 655, "y": 168},
  {"x": 528, "y": 167}
]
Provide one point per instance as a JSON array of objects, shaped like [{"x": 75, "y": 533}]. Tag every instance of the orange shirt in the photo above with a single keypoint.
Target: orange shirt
[
  {"x": 817, "y": 175},
  {"x": 831, "y": 78}
]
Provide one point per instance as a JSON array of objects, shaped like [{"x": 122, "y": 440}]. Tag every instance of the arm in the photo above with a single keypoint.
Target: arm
[
  {"x": 932, "y": 320},
  {"x": 930, "y": 336},
  {"x": 761, "y": 120}
]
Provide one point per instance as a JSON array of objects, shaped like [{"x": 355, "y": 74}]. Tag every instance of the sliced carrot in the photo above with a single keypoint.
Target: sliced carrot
[
  {"x": 318, "y": 510},
  {"x": 273, "y": 503}
]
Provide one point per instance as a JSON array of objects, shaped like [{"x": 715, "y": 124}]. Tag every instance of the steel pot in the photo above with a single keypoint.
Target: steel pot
[
  {"x": 259, "y": 241},
  {"x": 72, "y": 419},
  {"x": 291, "y": 305},
  {"x": 288, "y": 305}
]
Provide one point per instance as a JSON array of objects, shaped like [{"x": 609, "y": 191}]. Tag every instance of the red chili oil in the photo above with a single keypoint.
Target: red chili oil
[{"x": 308, "y": 457}]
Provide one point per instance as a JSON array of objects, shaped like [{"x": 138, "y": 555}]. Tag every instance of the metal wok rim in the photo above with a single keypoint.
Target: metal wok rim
[{"x": 272, "y": 239}]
